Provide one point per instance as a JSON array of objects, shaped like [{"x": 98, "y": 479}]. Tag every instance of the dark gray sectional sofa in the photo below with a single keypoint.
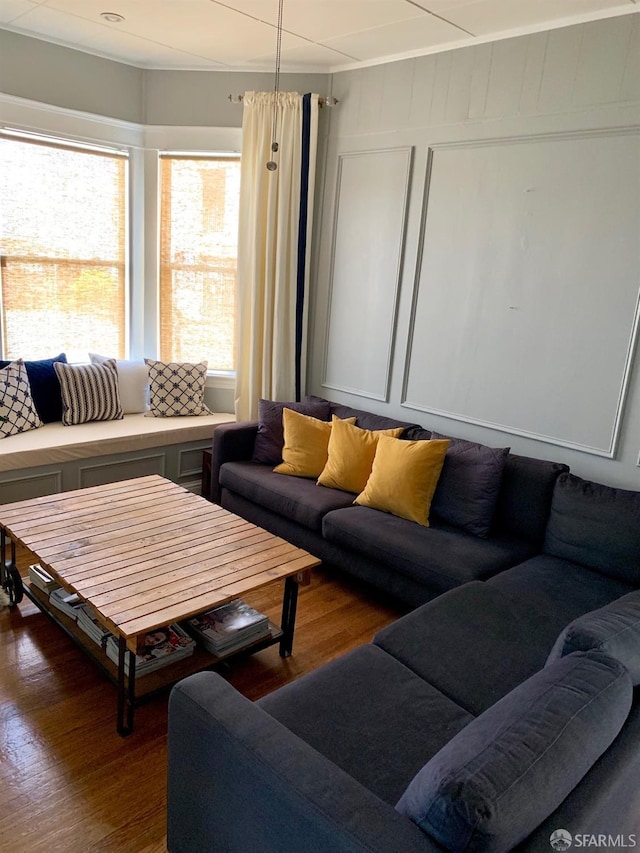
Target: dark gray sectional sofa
[
  {"x": 489, "y": 511},
  {"x": 496, "y": 716}
]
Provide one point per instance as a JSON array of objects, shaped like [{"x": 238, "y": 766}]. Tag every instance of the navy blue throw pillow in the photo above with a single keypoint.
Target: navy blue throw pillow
[
  {"x": 270, "y": 436},
  {"x": 469, "y": 485},
  {"x": 45, "y": 387},
  {"x": 506, "y": 771}
]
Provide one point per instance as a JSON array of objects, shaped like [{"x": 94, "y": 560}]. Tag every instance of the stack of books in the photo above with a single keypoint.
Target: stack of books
[
  {"x": 42, "y": 579},
  {"x": 69, "y": 603},
  {"x": 162, "y": 646},
  {"x": 229, "y": 627},
  {"x": 90, "y": 625}
]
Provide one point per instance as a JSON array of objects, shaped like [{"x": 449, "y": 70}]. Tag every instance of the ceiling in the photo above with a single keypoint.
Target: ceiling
[{"x": 319, "y": 35}]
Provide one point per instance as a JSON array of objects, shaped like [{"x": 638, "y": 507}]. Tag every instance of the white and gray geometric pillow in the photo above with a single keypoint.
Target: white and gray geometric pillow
[
  {"x": 16, "y": 406},
  {"x": 176, "y": 388},
  {"x": 89, "y": 392}
]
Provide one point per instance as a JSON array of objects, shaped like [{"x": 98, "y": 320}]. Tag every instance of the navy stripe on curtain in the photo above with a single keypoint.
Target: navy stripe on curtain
[{"x": 302, "y": 239}]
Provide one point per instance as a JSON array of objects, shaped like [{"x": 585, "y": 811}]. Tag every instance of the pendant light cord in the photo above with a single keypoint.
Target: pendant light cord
[{"x": 276, "y": 89}]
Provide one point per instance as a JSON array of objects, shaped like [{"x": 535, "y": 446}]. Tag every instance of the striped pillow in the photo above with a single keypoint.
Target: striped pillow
[{"x": 89, "y": 392}]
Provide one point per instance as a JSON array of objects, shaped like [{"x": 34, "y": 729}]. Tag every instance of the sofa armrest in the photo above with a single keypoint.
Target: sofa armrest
[
  {"x": 238, "y": 780},
  {"x": 231, "y": 443}
]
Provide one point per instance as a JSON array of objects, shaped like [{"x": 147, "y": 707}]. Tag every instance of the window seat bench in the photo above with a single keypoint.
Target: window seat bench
[{"x": 56, "y": 458}]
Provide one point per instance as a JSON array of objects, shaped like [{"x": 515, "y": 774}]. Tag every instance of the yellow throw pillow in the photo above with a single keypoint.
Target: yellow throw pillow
[
  {"x": 404, "y": 477},
  {"x": 351, "y": 454},
  {"x": 306, "y": 444}
]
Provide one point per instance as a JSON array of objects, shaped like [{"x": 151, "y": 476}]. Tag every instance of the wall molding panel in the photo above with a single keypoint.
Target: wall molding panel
[
  {"x": 526, "y": 301},
  {"x": 370, "y": 213}
]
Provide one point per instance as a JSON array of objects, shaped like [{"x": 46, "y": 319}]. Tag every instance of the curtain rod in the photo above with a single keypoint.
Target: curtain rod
[{"x": 329, "y": 101}]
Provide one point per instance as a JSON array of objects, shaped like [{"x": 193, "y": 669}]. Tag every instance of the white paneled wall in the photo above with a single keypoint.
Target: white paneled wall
[{"x": 516, "y": 314}]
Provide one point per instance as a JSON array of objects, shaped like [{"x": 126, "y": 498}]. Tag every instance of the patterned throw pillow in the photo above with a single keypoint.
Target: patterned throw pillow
[
  {"x": 89, "y": 392},
  {"x": 45, "y": 388},
  {"x": 17, "y": 410},
  {"x": 177, "y": 388}
]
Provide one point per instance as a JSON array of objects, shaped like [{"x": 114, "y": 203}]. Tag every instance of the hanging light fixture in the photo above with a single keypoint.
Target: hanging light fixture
[{"x": 272, "y": 165}]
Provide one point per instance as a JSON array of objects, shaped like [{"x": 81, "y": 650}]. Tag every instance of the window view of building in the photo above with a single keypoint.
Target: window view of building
[
  {"x": 63, "y": 248},
  {"x": 64, "y": 271},
  {"x": 199, "y": 200}
]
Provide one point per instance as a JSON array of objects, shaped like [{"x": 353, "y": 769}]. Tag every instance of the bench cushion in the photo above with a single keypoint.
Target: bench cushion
[
  {"x": 437, "y": 556},
  {"x": 54, "y": 443}
]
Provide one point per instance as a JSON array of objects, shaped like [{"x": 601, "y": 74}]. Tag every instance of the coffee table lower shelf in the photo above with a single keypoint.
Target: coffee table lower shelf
[{"x": 134, "y": 691}]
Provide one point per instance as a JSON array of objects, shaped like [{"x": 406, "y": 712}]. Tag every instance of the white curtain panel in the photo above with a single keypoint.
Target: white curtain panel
[{"x": 274, "y": 242}]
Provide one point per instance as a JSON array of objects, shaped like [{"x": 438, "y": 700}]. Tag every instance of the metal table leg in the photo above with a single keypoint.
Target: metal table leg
[
  {"x": 10, "y": 579},
  {"x": 289, "y": 605},
  {"x": 126, "y": 689}
]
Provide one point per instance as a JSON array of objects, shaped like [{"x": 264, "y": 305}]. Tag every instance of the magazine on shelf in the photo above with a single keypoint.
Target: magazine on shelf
[
  {"x": 229, "y": 626},
  {"x": 162, "y": 646},
  {"x": 69, "y": 603},
  {"x": 91, "y": 626},
  {"x": 42, "y": 579}
]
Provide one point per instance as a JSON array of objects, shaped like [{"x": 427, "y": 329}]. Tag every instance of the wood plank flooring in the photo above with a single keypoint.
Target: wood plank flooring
[{"x": 68, "y": 782}]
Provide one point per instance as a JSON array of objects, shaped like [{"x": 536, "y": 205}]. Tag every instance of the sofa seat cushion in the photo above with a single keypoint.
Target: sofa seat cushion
[
  {"x": 511, "y": 767},
  {"x": 371, "y": 716},
  {"x": 295, "y": 498},
  {"x": 556, "y": 592},
  {"x": 440, "y": 557},
  {"x": 487, "y": 644},
  {"x": 597, "y": 526}
]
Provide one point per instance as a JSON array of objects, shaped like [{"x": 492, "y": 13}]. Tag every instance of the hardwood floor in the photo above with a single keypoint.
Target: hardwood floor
[{"x": 68, "y": 782}]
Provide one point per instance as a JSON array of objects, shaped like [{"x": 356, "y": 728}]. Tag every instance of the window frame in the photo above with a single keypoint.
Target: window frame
[
  {"x": 144, "y": 144},
  {"x": 51, "y": 142},
  {"x": 190, "y": 155}
]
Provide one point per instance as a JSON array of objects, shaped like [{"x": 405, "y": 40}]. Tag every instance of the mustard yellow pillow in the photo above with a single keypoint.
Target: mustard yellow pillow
[
  {"x": 306, "y": 444},
  {"x": 404, "y": 477},
  {"x": 351, "y": 452}
]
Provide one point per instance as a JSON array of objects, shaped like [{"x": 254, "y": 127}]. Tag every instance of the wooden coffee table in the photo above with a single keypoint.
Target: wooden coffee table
[{"x": 144, "y": 553}]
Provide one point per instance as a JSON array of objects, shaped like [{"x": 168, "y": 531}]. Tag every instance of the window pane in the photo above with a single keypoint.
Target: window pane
[
  {"x": 62, "y": 248},
  {"x": 198, "y": 251}
]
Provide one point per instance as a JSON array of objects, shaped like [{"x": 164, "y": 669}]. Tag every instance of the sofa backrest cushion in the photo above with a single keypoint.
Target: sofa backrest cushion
[
  {"x": 270, "y": 437},
  {"x": 525, "y": 497},
  {"x": 597, "y": 526},
  {"x": 369, "y": 420},
  {"x": 506, "y": 771},
  {"x": 469, "y": 485},
  {"x": 613, "y": 629}
]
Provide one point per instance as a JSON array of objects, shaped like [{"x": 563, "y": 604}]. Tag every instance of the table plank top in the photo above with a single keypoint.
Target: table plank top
[{"x": 146, "y": 552}]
